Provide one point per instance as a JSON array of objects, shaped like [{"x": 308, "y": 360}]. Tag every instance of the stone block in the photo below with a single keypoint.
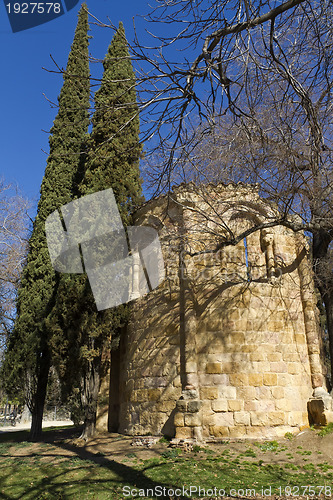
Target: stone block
[
  {"x": 171, "y": 393},
  {"x": 276, "y": 356},
  {"x": 246, "y": 393},
  {"x": 277, "y": 418},
  {"x": 250, "y": 405},
  {"x": 237, "y": 432},
  {"x": 206, "y": 407},
  {"x": 177, "y": 381},
  {"x": 321, "y": 409},
  {"x": 279, "y": 367},
  {"x": 239, "y": 379},
  {"x": 242, "y": 418},
  {"x": 259, "y": 418},
  {"x": 169, "y": 370},
  {"x": 183, "y": 433},
  {"x": 235, "y": 405},
  {"x": 254, "y": 432},
  {"x": 263, "y": 392},
  {"x": 276, "y": 326},
  {"x": 205, "y": 379},
  {"x": 209, "y": 393},
  {"x": 265, "y": 405},
  {"x": 192, "y": 379},
  {"x": 294, "y": 368},
  {"x": 283, "y": 380},
  {"x": 192, "y": 419},
  {"x": 258, "y": 356},
  {"x": 296, "y": 418},
  {"x": 224, "y": 419},
  {"x": 181, "y": 405},
  {"x": 140, "y": 396},
  {"x": 291, "y": 356},
  {"x": 283, "y": 404},
  {"x": 270, "y": 379},
  {"x": 208, "y": 419},
  {"x": 179, "y": 419},
  {"x": 219, "y": 431},
  {"x": 300, "y": 338},
  {"x": 154, "y": 382},
  {"x": 258, "y": 366},
  {"x": 193, "y": 406},
  {"x": 220, "y": 405},
  {"x": 230, "y": 367},
  {"x": 249, "y": 348},
  {"x": 236, "y": 338},
  {"x": 165, "y": 406},
  {"x": 255, "y": 379},
  {"x": 191, "y": 367},
  {"x": 214, "y": 368},
  {"x": 278, "y": 392},
  {"x": 154, "y": 394}
]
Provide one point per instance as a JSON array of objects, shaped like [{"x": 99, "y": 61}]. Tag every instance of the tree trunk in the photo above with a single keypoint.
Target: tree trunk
[
  {"x": 38, "y": 399},
  {"x": 323, "y": 279},
  {"x": 91, "y": 384},
  {"x": 328, "y": 301}
]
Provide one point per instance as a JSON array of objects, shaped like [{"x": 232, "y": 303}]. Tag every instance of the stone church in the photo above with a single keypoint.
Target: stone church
[{"x": 228, "y": 345}]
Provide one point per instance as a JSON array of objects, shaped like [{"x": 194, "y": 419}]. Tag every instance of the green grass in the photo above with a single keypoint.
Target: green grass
[
  {"x": 328, "y": 429},
  {"x": 269, "y": 446},
  {"x": 50, "y": 474}
]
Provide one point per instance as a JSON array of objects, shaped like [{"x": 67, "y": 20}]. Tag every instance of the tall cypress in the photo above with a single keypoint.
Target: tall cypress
[
  {"x": 28, "y": 354},
  {"x": 114, "y": 152},
  {"x": 112, "y": 162}
]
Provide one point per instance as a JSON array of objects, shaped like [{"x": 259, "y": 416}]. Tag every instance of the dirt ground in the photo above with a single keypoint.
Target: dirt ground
[{"x": 307, "y": 446}]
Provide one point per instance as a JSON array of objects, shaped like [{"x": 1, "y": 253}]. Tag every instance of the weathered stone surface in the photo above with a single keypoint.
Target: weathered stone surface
[
  {"x": 220, "y": 405},
  {"x": 242, "y": 418},
  {"x": 184, "y": 433},
  {"x": 209, "y": 393},
  {"x": 181, "y": 405},
  {"x": 192, "y": 419},
  {"x": 214, "y": 368},
  {"x": 193, "y": 406},
  {"x": 179, "y": 419},
  {"x": 248, "y": 350},
  {"x": 320, "y": 407},
  {"x": 219, "y": 431},
  {"x": 235, "y": 405},
  {"x": 270, "y": 379},
  {"x": 224, "y": 419}
]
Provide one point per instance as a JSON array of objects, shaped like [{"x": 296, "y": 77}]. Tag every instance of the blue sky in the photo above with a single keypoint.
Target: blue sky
[{"x": 26, "y": 115}]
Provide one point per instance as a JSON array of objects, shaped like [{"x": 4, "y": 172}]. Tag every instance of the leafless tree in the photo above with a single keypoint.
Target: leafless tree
[
  {"x": 248, "y": 98},
  {"x": 14, "y": 227},
  {"x": 241, "y": 90}
]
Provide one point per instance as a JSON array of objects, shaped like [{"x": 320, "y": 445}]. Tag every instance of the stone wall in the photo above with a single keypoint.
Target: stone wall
[{"x": 227, "y": 345}]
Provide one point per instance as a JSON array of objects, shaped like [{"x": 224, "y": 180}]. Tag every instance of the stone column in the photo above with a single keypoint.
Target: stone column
[
  {"x": 320, "y": 406},
  {"x": 135, "y": 292},
  {"x": 309, "y": 308},
  {"x": 188, "y": 420},
  {"x": 268, "y": 242}
]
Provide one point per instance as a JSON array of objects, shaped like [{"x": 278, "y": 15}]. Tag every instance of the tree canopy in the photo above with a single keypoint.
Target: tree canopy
[
  {"x": 28, "y": 357},
  {"x": 81, "y": 334}
]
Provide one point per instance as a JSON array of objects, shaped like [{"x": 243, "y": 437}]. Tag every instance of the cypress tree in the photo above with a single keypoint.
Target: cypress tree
[
  {"x": 28, "y": 354},
  {"x": 114, "y": 152},
  {"x": 112, "y": 162}
]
